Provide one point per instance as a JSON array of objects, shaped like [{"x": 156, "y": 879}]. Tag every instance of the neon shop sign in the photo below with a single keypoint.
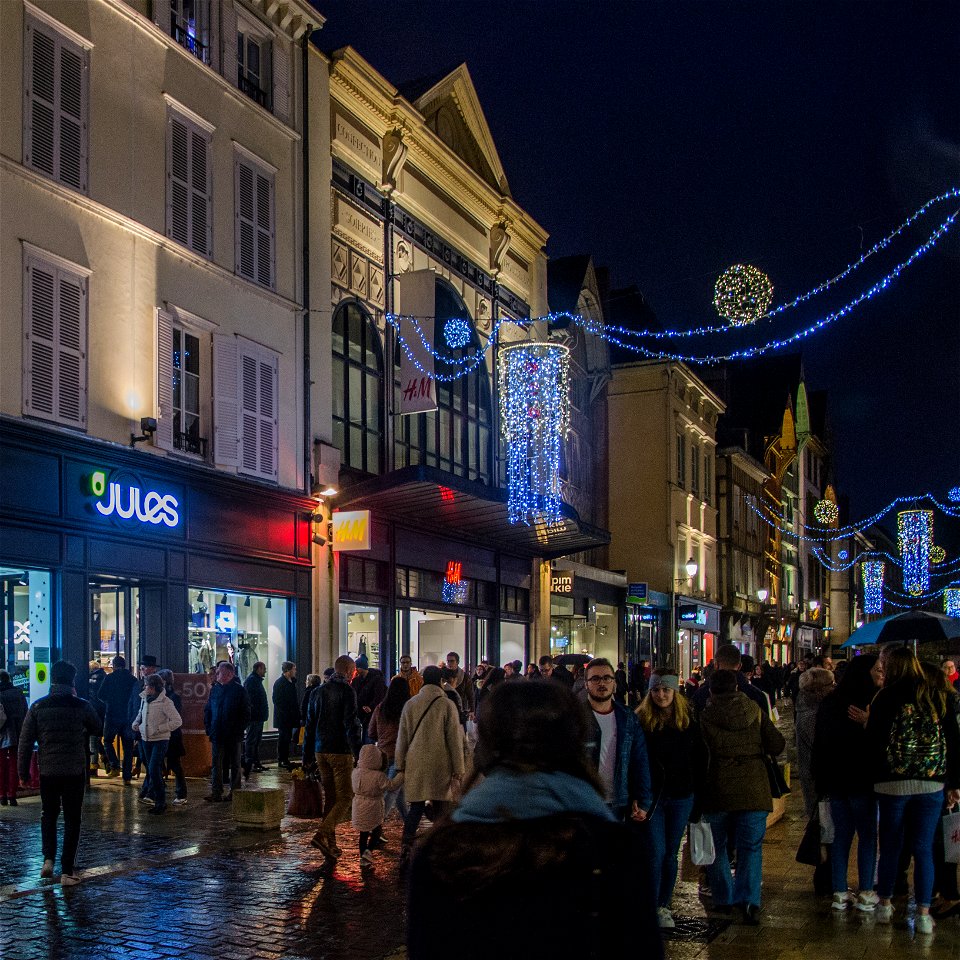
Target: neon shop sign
[{"x": 130, "y": 501}]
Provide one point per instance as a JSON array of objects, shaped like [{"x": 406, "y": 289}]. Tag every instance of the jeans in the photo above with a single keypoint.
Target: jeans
[
  {"x": 394, "y": 798},
  {"x": 335, "y": 771},
  {"x": 68, "y": 793},
  {"x": 747, "y": 828},
  {"x": 111, "y": 730},
  {"x": 918, "y": 814},
  {"x": 157, "y": 789},
  {"x": 9, "y": 778},
  {"x": 176, "y": 768},
  {"x": 226, "y": 765},
  {"x": 667, "y": 825},
  {"x": 252, "y": 750},
  {"x": 854, "y": 814},
  {"x": 415, "y": 814}
]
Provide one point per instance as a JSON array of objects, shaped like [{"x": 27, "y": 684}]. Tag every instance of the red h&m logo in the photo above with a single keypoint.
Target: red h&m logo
[
  {"x": 419, "y": 388},
  {"x": 454, "y": 568}
]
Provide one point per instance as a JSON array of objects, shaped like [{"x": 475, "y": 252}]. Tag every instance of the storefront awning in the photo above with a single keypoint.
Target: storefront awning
[{"x": 434, "y": 500}]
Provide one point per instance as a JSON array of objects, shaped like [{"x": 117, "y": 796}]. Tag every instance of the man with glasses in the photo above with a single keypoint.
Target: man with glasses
[
  {"x": 411, "y": 674},
  {"x": 618, "y": 747}
]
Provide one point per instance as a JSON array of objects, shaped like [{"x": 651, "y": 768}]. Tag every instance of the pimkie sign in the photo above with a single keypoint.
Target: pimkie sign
[
  {"x": 561, "y": 581},
  {"x": 351, "y": 530}
]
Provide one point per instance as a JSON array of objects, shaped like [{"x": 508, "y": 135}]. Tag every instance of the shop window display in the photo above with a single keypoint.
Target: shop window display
[
  {"x": 360, "y": 632},
  {"x": 28, "y": 628}
]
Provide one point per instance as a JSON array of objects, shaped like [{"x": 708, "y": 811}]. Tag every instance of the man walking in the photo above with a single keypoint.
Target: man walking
[
  {"x": 728, "y": 657},
  {"x": 286, "y": 711},
  {"x": 332, "y": 741},
  {"x": 115, "y": 695},
  {"x": 259, "y": 712},
  {"x": 59, "y": 724},
  {"x": 370, "y": 688},
  {"x": 225, "y": 718}
]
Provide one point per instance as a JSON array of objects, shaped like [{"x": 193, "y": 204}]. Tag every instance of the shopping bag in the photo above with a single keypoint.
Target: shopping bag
[
  {"x": 700, "y": 838},
  {"x": 776, "y": 778},
  {"x": 307, "y": 800},
  {"x": 826, "y": 821},
  {"x": 811, "y": 851},
  {"x": 951, "y": 838}
]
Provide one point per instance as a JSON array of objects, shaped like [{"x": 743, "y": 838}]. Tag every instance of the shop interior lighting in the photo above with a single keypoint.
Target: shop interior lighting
[
  {"x": 200, "y": 597},
  {"x": 246, "y": 602},
  {"x": 223, "y": 600},
  {"x": 269, "y": 604}
]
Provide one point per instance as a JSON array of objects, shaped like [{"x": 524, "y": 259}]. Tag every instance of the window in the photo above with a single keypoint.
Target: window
[
  {"x": 252, "y": 58},
  {"x": 56, "y": 77},
  {"x": 357, "y": 389},
  {"x": 183, "y": 378},
  {"x": 254, "y": 222},
  {"x": 189, "y": 188},
  {"x": 681, "y": 461},
  {"x": 190, "y": 26},
  {"x": 694, "y": 470},
  {"x": 55, "y": 341},
  {"x": 707, "y": 476}
]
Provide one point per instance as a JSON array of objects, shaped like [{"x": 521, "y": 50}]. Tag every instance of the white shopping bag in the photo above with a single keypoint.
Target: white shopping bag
[
  {"x": 825, "y": 815},
  {"x": 951, "y": 838},
  {"x": 700, "y": 838}
]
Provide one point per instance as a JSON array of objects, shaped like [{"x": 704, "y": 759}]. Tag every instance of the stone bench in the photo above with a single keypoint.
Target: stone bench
[{"x": 258, "y": 808}]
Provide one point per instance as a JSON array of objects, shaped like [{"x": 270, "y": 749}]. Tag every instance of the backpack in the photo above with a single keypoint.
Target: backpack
[{"x": 917, "y": 749}]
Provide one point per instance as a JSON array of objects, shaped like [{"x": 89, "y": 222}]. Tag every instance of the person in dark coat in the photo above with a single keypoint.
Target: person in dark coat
[
  {"x": 176, "y": 750},
  {"x": 60, "y": 724},
  {"x": 259, "y": 713},
  {"x": 728, "y": 657},
  {"x": 14, "y": 705},
  {"x": 115, "y": 696},
  {"x": 370, "y": 688},
  {"x": 286, "y": 711},
  {"x": 532, "y": 821},
  {"x": 225, "y": 718},
  {"x": 95, "y": 681}
]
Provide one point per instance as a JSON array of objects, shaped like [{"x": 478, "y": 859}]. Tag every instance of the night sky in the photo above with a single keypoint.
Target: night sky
[{"x": 672, "y": 140}]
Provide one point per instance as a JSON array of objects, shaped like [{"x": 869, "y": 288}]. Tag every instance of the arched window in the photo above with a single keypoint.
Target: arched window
[
  {"x": 457, "y": 436},
  {"x": 357, "y": 389}
]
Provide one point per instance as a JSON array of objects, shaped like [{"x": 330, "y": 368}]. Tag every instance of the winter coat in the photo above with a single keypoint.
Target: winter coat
[
  {"x": 227, "y": 712},
  {"x": 369, "y": 784},
  {"x": 286, "y": 703},
  {"x": 370, "y": 690},
  {"x": 430, "y": 746},
  {"x": 384, "y": 732},
  {"x": 738, "y": 735},
  {"x": 133, "y": 701},
  {"x": 414, "y": 681},
  {"x": 259, "y": 708},
  {"x": 702, "y": 696},
  {"x": 176, "y": 749},
  {"x": 518, "y": 847},
  {"x": 631, "y": 775},
  {"x": 157, "y": 719},
  {"x": 332, "y": 723},
  {"x": 678, "y": 760},
  {"x": 808, "y": 704},
  {"x": 115, "y": 694},
  {"x": 465, "y": 688},
  {"x": 840, "y": 764},
  {"x": 15, "y": 707},
  {"x": 60, "y": 724}
]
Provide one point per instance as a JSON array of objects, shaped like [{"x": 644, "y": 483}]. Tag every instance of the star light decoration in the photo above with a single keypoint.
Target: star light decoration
[
  {"x": 535, "y": 413},
  {"x": 915, "y": 536},
  {"x": 458, "y": 333},
  {"x": 742, "y": 295},
  {"x": 951, "y": 601},
  {"x": 826, "y": 512},
  {"x": 871, "y": 572}
]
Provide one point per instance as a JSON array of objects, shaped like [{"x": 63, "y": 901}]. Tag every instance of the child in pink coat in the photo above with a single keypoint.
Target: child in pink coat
[{"x": 370, "y": 783}]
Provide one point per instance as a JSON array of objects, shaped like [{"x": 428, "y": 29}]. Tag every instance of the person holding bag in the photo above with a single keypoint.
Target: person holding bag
[
  {"x": 155, "y": 722},
  {"x": 677, "y": 758}
]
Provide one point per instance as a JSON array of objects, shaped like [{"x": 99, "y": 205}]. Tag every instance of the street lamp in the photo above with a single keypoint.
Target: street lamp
[
  {"x": 813, "y": 605},
  {"x": 762, "y": 595},
  {"x": 691, "y": 567}
]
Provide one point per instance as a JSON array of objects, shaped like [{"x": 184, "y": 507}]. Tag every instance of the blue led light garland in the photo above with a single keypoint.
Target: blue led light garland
[
  {"x": 872, "y": 573},
  {"x": 951, "y": 601},
  {"x": 915, "y": 536}
]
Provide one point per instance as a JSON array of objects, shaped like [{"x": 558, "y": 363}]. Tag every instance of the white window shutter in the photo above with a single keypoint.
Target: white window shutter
[
  {"x": 39, "y": 143},
  {"x": 71, "y": 349},
  {"x": 246, "y": 237},
  {"x": 178, "y": 181},
  {"x": 268, "y": 417},
  {"x": 161, "y": 15},
  {"x": 189, "y": 186},
  {"x": 265, "y": 229},
  {"x": 254, "y": 217},
  {"x": 163, "y": 438},
  {"x": 201, "y": 226},
  {"x": 71, "y": 118},
  {"x": 226, "y": 398},
  {"x": 229, "y": 21},
  {"x": 281, "y": 80},
  {"x": 40, "y": 338},
  {"x": 249, "y": 413}
]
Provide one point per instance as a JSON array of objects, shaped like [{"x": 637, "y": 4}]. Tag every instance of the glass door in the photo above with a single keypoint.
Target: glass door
[{"x": 114, "y": 610}]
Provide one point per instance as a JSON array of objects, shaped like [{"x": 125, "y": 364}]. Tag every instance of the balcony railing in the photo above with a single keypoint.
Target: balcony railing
[
  {"x": 190, "y": 42},
  {"x": 254, "y": 92},
  {"x": 190, "y": 444}
]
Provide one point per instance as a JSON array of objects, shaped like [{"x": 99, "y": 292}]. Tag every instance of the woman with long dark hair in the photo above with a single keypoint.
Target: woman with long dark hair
[
  {"x": 842, "y": 773},
  {"x": 532, "y": 823},
  {"x": 383, "y": 730},
  {"x": 914, "y": 747}
]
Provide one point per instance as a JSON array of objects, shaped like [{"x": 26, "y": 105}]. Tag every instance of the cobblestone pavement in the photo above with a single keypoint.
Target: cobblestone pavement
[{"x": 189, "y": 884}]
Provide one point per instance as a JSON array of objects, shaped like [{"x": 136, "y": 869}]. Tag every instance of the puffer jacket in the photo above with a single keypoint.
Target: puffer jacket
[
  {"x": 259, "y": 710},
  {"x": 332, "y": 722},
  {"x": 369, "y": 784},
  {"x": 157, "y": 719},
  {"x": 738, "y": 734},
  {"x": 59, "y": 724},
  {"x": 15, "y": 707}
]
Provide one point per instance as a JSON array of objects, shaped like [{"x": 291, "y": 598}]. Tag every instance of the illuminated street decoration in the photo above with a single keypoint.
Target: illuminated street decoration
[
  {"x": 871, "y": 572},
  {"x": 826, "y": 513},
  {"x": 535, "y": 412},
  {"x": 937, "y": 555},
  {"x": 742, "y": 294},
  {"x": 915, "y": 537},
  {"x": 843, "y": 554},
  {"x": 457, "y": 332},
  {"x": 455, "y": 588},
  {"x": 951, "y": 601},
  {"x": 953, "y": 494}
]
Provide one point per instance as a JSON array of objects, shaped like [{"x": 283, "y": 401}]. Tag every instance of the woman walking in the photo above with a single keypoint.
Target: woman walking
[
  {"x": 155, "y": 721},
  {"x": 914, "y": 747},
  {"x": 677, "y": 757},
  {"x": 737, "y": 799},
  {"x": 842, "y": 773},
  {"x": 383, "y": 730}
]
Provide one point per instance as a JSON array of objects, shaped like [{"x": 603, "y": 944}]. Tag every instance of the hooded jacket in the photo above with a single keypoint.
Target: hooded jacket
[
  {"x": 59, "y": 724},
  {"x": 738, "y": 735},
  {"x": 414, "y": 680},
  {"x": 369, "y": 784},
  {"x": 157, "y": 719}
]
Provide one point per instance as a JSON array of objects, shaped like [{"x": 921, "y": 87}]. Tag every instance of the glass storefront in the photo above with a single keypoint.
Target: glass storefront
[
  {"x": 360, "y": 633},
  {"x": 240, "y": 628},
  {"x": 28, "y": 628},
  {"x": 114, "y": 610}
]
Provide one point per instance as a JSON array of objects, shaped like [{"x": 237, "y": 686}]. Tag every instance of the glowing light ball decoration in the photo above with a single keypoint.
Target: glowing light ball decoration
[
  {"x": 843, "y": 554},
  {"x": 826, "y": 513},
  {"x": 953, "y": 494},
  {"x": 458, "y": 333},
  {"x": 937, "y": 555},
  {"x": 951, "y": 601},
  {"x": 915, "y": 535},
  {"x": 871, "y": 571},
  {"x": 535, "y": 413},
  {"x": 742, "y": 294}
]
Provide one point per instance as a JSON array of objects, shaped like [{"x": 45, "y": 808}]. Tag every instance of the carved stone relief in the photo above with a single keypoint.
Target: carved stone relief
[
  {"x": 340, "y": 264},
  {"x": 358, "y": 275},
  {"x": 402, "y": 257}
]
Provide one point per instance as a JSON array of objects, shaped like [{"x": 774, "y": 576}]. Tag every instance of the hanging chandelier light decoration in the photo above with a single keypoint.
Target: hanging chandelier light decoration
[
  {"x": 742, "y": 295},
  {"x": 915, "y": 537},
  {"x": 871, "y": 572},
  {"x": 535, "y": 414},
  {"x": 951, "y": 601}
]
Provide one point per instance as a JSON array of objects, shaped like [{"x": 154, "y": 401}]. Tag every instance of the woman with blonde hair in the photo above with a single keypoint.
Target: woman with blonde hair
[
  {"x": 914, "y": 748},
  {"x": 678, "y": 758}
]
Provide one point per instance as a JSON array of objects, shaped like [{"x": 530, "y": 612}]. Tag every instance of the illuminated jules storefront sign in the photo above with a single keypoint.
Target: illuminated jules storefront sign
[{"x": 129, "y": 500}]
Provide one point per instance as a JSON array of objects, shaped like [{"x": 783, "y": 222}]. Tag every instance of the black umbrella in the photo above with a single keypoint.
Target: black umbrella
[
  {"x": 572, "y": 659},
  {"x": 919, "y": 625}
]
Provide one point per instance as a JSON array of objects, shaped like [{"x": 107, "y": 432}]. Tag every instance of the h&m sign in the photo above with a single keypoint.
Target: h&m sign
[
  {"x": 351, "y": 530},
  {"x": 561, "y": 581}
]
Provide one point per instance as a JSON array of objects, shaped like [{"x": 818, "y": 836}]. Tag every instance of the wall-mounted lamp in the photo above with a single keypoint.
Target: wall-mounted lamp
[
  {"x": 813, "y": 605},
  {"x": 691, "y": 566},
  {"x": 762, "y": 595},
  {"x": 148, "y": 427}
]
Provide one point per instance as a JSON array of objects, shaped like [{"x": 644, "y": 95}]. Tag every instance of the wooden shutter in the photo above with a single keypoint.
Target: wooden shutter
[
  {"x": 55, "y": 341},
  {"x": 268, "y": 416},
  {"x": 189, "y": 219},
  {"x": 246, "y": 238},
  {"x": 258, "y": 411},
  {"x": 281, "y": 79},
  {"x": 163, "y": 438},
  {"x": 229, "y": 20},
  {"x": 264, "y": 228},
  {"x": 201, "y": 226},
  {"x": 254, "y": 223},
  {"x": 225, "y": 400}
]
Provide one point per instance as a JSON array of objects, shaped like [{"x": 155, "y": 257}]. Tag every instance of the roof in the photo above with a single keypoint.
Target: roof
[
  {"x": 565, "y": 281},
  {"x": 627, "y": 307}
]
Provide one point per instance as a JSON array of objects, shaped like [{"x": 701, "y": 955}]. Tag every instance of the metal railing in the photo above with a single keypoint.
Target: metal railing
[
  {"x": 190, "y": 444},
  {"x": 192, "y": 43}
]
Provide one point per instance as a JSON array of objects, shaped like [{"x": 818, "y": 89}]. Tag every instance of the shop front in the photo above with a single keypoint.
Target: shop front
[
  {"x": 106, "y": 551},
  {"x": 587, "y": 611},
  {"x": 698, "y": 632}
]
